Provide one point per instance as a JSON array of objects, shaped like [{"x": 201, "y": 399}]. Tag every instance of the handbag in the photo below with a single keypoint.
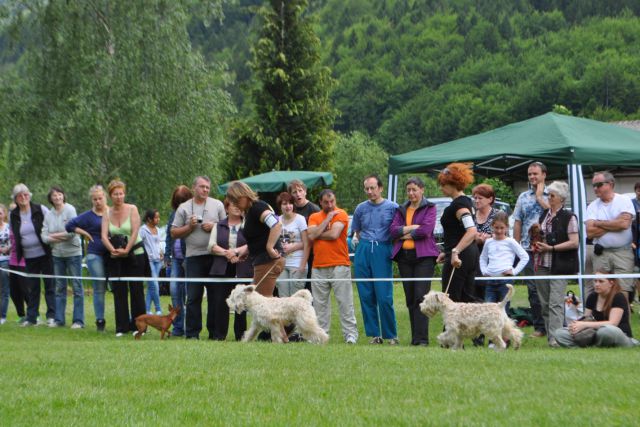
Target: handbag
[{"x": 585, "y": 337}]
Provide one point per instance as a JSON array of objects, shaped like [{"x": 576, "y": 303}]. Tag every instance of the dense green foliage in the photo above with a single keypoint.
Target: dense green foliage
[
  {"x": 107, "y": 88},
  {"x": 413, "y": 73},
  {"x": 292, "y": 124},
  {"x": 111, "y": 89},
  {"x": 357, "y": 156}
]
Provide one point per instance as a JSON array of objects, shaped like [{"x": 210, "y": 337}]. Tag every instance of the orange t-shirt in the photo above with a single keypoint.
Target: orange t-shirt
[
  {"x": 409, "y": 244},
  {"x": 330, "y": 253}
]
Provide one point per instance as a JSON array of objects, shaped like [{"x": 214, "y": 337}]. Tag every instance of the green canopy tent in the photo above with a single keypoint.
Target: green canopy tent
[
  {"x": 276, "y": 181},
  {"x": 567, "y": 145},
  {"x": 554, "y": 139}
]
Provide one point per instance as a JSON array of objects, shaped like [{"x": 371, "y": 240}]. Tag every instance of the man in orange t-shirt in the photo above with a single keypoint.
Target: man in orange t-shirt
[{"x": 328, "y": 231}]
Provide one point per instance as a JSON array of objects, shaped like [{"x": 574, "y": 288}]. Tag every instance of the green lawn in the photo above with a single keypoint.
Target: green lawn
[{"x": 80, "y": 377}]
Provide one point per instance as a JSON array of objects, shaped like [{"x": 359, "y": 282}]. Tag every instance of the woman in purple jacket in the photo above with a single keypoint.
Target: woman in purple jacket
[{"x": 415, "y": 251}]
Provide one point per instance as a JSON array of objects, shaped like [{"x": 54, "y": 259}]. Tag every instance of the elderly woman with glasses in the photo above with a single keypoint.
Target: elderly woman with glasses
[
  {"x": 557, "y": 253},
  {"x": 27, "y": 220}
]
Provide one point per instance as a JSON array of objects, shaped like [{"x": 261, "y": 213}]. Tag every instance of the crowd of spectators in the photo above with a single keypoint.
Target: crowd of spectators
[{"x": 305, "y": 245}]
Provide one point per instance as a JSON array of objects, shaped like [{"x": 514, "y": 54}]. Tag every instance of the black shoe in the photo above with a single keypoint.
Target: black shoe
[
  {"x": 100, "y": 324},
  {"x": 478, "y": 341},
  {"x": 295, "y": 337},
  {"x": 264, "y": 336}
]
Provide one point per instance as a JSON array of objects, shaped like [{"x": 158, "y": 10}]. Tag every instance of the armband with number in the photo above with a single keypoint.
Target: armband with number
[
  {"x": 270, "y": 220},
  {"x": 467, "y": 221}
]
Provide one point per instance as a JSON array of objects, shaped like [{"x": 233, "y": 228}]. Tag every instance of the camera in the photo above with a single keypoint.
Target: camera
[
  {"x": 551, "y": 239},
  {"x": 598, "y": 249},
  {"x": 119, "y": 241},
  {"x": 199, "y": 219}
]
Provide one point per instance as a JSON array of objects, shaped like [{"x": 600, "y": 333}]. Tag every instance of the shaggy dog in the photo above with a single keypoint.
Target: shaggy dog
[
  {"x": 466, "y": 320},
  {"x": 274, "y": 314}
]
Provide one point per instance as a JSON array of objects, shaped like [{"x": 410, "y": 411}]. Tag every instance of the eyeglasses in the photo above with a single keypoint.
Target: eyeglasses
[{"x": 599, "y": 184}]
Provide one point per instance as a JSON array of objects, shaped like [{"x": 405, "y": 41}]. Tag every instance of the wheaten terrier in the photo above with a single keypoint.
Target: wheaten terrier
[
  {"x": 274, "y": 314},
  {"x": 467, "y": 320}
]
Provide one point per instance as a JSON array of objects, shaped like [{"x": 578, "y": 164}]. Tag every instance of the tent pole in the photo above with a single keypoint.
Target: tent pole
[{"x": 578, "y": 204}]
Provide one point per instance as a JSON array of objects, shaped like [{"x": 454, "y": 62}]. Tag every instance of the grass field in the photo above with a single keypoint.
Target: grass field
[{"x": 81, "y": 377}]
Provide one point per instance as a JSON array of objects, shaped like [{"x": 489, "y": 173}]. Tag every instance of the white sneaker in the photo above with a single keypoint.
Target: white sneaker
[
  {"x": 350, "y": 339},
  {"x": 26, "y": 324},
  {"x": 77, "y": 325},
  {"x": 159, "y": 312},
  {"x": 3, "y": 321},
  {"x": 491, "y": 345},
  {"x": 51, "y": 323},
  {"x": 119, "y": 334}
]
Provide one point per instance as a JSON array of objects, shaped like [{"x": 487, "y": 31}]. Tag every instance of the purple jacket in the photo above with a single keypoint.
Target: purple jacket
[{"x": 425, "y": 216}]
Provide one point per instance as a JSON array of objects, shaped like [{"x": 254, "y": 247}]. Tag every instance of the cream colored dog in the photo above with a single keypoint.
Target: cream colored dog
[
  {"x": 467, "y": 320},
  {"x": 274, "y": 314}
]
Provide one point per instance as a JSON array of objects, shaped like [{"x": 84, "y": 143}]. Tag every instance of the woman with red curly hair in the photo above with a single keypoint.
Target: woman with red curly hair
[{"x": 459, "y": 229}]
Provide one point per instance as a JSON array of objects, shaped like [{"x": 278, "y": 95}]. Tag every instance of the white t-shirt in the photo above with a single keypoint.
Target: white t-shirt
[
  {"x": 608, "y": 211},
  {"x": 291, "y": 233},
  {"x": 498, "y": 255}
]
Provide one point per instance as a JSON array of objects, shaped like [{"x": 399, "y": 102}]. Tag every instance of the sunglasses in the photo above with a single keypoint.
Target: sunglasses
[{"x": 599, "y": 184}]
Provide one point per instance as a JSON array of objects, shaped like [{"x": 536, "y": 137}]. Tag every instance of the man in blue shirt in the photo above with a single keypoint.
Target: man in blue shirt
[
  {"x": 528, "y": 209},
  {"x": 371, "y": 222}
]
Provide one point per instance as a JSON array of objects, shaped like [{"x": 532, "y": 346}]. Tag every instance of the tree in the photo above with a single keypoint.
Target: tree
[
  {"x": 113, "y": 89},
  {"x": 356, "y": 157},
  {"x": 291, "y": 127}
]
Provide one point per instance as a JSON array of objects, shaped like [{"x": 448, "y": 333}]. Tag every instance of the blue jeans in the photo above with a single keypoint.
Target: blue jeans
[
  {"x": 95, "y": 265},
  {"x": 4, "y": 289},
  {"x": 178, "y": 295},
  {"x": 153, "y": 292},
  {"x": 496, "y": 290},
  {"x": 69, "y": 266}
]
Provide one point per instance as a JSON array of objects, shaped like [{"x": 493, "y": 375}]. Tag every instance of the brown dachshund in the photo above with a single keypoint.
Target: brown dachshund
[{"x": 161, "y": 323}]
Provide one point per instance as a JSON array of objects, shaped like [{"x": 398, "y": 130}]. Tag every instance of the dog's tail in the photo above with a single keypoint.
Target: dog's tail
[
  {"x": 304, "y": 294},
  {"x": 507, "y": 297}
]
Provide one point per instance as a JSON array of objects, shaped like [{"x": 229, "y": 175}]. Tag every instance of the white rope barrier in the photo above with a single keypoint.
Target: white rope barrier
[{"x": 387, "y": 279}]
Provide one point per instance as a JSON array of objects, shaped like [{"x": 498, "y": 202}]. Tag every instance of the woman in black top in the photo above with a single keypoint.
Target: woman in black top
[
  {"x": 262, "y": 230},
  {"x": 459, "y": 229},
  {"x": 610, "y": 311}
]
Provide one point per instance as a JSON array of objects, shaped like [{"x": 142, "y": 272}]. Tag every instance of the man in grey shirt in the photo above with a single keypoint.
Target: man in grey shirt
[{"x": 193, "y": 222}]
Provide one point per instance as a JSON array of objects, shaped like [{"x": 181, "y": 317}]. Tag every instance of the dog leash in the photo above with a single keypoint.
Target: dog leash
[
  {"x": 266, "y": 274},
  {"x": 453, "y": 271}
]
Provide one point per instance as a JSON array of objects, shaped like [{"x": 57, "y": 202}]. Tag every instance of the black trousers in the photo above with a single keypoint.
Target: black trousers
[
  {"x": 127, "y": 292},
  {"x": 17, "y": 288},
  {"x": 462, "y": 288},
  {"x": 39, "y": 265},
  {"x": 410, "y": 266},
  {"x": 218, "y": 321}
]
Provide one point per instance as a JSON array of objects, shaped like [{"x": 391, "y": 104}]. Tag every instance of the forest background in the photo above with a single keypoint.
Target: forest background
[{"x": 156, "y": 92}]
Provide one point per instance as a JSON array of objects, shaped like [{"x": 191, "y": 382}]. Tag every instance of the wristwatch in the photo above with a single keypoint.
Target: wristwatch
[{"x": 455, "y": 251}]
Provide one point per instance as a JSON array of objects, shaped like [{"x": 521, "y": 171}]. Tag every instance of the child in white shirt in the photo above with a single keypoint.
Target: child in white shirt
[{"x": 497, "y": 258}]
